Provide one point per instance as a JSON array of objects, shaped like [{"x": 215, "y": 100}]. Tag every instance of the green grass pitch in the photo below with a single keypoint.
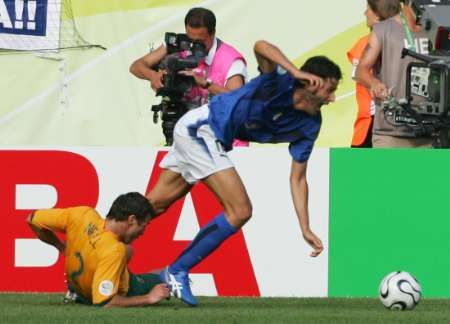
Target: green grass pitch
[{"x": 48, "y": 308}]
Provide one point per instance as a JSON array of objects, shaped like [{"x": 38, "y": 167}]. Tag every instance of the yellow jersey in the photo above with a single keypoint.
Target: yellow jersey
[{"x": 96, "y": 261}]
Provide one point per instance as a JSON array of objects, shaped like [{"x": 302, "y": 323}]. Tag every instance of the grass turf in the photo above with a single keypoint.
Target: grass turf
[{"x": 48, "y": 308}]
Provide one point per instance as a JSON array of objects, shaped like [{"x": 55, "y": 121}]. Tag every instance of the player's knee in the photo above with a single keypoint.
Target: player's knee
[
  {"x": 159, "y": 209},
  {"x": 159, "y": 206},
  {"x": 241, "y": 214}
]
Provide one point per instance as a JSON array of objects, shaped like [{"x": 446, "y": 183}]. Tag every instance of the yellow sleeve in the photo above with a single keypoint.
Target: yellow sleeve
[
  {"x": 124, "y": 284},
  {"x": 108, "y": 275},
  {"x": 57, "y": 219},
  {"x": 54, "y": 219}
]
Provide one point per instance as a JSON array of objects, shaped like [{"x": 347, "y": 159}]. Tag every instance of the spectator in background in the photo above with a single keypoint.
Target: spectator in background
[
  {"x": 383, "y": 53},
  {"x": 362, "y": 129},
  {"x": 97, "y": 251},
  {"x": 224, "y": 68}
]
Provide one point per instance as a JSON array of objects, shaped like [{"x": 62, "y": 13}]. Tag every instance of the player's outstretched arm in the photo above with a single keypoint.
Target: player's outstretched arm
[
  {"x": 158, "y": 293},
  {"x": 269, "y": 57},
  {"x": 46, "y": 235},
  {"x": 299, "y": 191}
]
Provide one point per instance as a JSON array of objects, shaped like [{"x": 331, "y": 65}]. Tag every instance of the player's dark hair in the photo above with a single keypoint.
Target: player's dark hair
[
  {"x": 132, "y": 203},
  {"x": 201, "y": 17},
  {"x": 321, "y": 66},
  {"x": 384, "y": 9}
]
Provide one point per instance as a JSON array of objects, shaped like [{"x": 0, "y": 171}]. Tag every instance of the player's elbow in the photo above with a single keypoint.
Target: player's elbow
[
  {"x": 298, "y": 171},
  {"x": 260, "y": 45},
  {"x": 295, "y": 183},
  {"x": 114, "y": 301},
  {"x": 30, "y": 218}
]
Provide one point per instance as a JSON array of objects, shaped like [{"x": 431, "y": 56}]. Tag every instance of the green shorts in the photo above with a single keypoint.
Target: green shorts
[
  {"x": 138, "y": 285},
  {"x": 142, "y": 284}
]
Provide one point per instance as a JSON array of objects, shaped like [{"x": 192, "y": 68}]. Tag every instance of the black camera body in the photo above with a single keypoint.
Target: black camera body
[
  {"x": 429, "y": 79},
  {"x": 426, "y": 108},
  {"x": 182, "y": 53}
]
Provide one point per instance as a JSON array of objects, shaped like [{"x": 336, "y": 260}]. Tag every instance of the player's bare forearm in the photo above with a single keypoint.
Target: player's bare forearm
[
  {"x": 299, "y": 191},
  {"x": 269, "y": 56},
  {"x": 123, "y": 301},
  {"x": 46, "y": 235},
  {"x": 158, "y": 293}
]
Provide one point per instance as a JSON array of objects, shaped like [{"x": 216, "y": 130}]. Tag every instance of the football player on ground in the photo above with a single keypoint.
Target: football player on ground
[{"x": 97, "y": 251}]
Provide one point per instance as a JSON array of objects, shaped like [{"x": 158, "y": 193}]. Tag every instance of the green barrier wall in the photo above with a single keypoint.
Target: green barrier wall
[{"x": 389, "y": 210}]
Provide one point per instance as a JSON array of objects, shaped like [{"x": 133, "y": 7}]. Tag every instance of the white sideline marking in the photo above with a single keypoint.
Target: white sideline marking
[
  {"x": 31, "y": 102},
  {"x": 348, "y": 94}
]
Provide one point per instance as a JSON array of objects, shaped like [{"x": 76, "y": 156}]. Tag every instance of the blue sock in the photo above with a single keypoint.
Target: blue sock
[{"x": 207, "y": 240}]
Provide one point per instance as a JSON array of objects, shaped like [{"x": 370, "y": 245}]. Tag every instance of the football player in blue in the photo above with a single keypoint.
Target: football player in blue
[{"x": 282, "y": 105}]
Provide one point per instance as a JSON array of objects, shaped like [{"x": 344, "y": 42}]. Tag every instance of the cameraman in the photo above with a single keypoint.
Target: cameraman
[
  {"x": 383, "y": 55},
  {"x": 224, "y": 68}
]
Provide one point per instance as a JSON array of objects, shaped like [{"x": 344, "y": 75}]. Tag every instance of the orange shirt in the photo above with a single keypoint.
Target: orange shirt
[
  {"x": 96, "y": 261},
  {"x": 366, "y": 106}
]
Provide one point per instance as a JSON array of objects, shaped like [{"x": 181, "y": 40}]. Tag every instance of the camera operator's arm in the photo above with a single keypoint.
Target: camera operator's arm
[
  {"x": 364, "y": 74},
  {"x": 269, "y": 56},
  {"x": 143, "y": 67},
  {"x": 233, "y": 83}
]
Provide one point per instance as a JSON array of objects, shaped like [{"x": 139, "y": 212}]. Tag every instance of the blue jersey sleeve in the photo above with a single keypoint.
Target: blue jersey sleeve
[{"x": 301, "y": 149}]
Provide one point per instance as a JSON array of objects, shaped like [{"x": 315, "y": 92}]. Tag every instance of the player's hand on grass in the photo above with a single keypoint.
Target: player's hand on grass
[
  {"x": 314, "y": 241},
  {"x": 158, "y": 293}
]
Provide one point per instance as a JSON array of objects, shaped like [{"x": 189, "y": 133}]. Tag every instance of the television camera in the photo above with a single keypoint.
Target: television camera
[
  {"x": 426, "y": 108},
  {"x": 182, "y": 53}
]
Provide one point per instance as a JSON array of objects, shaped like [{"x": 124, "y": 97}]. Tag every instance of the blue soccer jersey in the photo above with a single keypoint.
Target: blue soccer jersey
[{"x": 262, "y": 111}]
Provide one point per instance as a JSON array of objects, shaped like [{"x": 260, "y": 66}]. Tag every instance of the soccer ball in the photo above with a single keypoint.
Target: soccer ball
[{"x": 400, "y": 290}]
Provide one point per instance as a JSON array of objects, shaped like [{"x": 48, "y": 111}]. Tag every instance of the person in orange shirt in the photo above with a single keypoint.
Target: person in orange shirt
[
  {"x": 97, "y": 251},
  {"x": 362, "y": 129}
]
